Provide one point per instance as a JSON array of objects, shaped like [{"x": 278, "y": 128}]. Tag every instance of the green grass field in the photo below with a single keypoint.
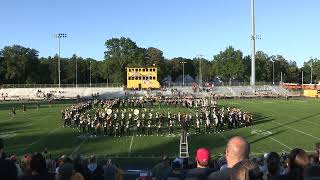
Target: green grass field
[{"x": 280, "y": 125}]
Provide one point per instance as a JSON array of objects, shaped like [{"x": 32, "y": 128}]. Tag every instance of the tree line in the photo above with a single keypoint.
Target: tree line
[{"x": 22, "y": 65}]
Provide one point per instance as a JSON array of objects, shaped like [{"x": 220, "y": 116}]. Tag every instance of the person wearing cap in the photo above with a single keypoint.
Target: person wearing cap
[
  {"x": 237, "y": 150},
  {"x": 7, "y": 168},
  {"x": 202, "y": 170},
  {"x": 176, "y": 172}
]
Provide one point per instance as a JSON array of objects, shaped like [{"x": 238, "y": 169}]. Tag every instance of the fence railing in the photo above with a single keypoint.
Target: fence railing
[
  {"x": 224, "y": 84},
  {"x": 61, "y": 86},
  {"x": 96, "y": 85}
]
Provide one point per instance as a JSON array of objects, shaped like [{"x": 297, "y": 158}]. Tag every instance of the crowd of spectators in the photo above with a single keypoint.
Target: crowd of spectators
[{"x": 235, "y": 165}]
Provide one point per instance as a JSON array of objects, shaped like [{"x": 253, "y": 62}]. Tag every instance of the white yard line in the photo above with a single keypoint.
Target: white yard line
[
  {"x": 34, "y": 142},
  {"x": 130, "y": 145},
  {"x": 78, "y": 147},
  {"x": 302, "y": 132},
  {"x": 313, "y": 123},
  {"x": 223, "y": 136},
  {"x": 275, "y": 140},
  {"x": 281, "y": 143}
]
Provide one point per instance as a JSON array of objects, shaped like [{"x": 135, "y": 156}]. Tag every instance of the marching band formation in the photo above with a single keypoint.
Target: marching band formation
[{"x": 126, "y": 117}]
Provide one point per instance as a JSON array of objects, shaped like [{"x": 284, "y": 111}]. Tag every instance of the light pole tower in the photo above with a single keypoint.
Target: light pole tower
[
  {"x": 272, "y": 72},
  {"x": 76, "y": 72},
  {"x": 59, "y": 36},
  {"x": 183, "y": 62},
  {"x": 200, "y": 70},
  {"x": 253, "y": 47},
  {"x": 90, "y": 71},
  {"x": 311, "y": 71}
]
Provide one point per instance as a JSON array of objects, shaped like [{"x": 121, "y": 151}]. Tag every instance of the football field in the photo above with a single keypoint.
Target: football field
[{"x": 279, "y": 125}]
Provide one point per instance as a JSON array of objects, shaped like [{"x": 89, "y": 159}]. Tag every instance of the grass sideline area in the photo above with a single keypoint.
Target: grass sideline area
[{"x": 279, "y": 125}]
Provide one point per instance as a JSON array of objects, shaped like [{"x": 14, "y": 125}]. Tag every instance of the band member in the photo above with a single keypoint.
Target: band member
[
  {"x": 97, "y": 128},
  {"x": 81, "y": 124},
  {"x": 139, "y": 127},
  {"x": 230, "y": 118},
  {"x": 110, "y": 127},
  {"x": 208, "y": 126},
  {"x": 149, "y": 127},
  {"x": 88, "y": 126},
  {"x": 159, "y": 130},
  {"x": 115, "y": 115},
  {"x": 122, "y": 116},
  {"x": 127, "y": 128},
  {"x": 130, "y": 116},
  {"x": 105, "y": 128},
  {"x": 117, "y": 129},
  {"x": 13, "y": 112},
  {"x": 143, "y": 127},
  {"x": 93, "y": 129},
  {"x": 170, "y": 126},
  {"x": 198, "y": 126},
  {"x": 185, "y": 123}
]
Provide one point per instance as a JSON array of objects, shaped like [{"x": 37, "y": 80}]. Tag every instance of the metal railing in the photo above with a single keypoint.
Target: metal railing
[
  {"x": 98, "y": 85},
  {"x": 224, "y": 84}
]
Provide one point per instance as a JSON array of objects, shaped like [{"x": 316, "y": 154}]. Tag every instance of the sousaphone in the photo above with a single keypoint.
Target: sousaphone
[
  {"x": 136, "y": 112},
  {"x": 109, "y": 111}
]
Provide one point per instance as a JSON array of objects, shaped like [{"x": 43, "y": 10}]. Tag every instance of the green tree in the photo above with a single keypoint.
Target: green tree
[
  {"x": 207, "y": 73},
  {"x": 123, "y": 52},
  {"x": 306, "y": 68},
  {"x": 263, "y": 67},
  {"x": 21, "y": 64},
  {"x": 229, "y": 64},
  {"x": 155, "y": 57}
]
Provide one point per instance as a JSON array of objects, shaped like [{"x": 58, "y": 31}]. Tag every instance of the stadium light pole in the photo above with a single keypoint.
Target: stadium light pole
[
  {"x": 311, "y": 71},
  {"x": 253, "y": 46},
  {"x": 59, "y": 36},
  {"x": 273, "y": 72},
  {"x": 90, "y": 71},
  {"x": 183, "y": 62},
  {"x": 76, "y": 72},
  {"x": 200, "y": 70}
]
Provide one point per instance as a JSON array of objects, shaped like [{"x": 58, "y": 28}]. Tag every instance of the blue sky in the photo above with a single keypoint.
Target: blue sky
[{"x": 177, "y": 27}]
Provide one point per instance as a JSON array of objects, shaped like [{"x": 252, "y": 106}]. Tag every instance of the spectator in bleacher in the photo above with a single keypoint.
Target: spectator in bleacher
[
  {"x": 202, "y": 170},
  {"x": 273, "y": 166},
  {"x": 78, "y": 165},
  {"x": 8, "y": 169},
  {"x": 312, "y": 172},
  {"x": 94, "y": 170},
  {"x": 313, "y": 159},
  {"x": 110, "y": 170},
  {"x": 160, "y": 170},
  {"x": 67, "y": 172},
  {"x": 246, "y": 170},
  {"x": 120, "y": 173},
  {"x": 51, "y": 166},
  {"x": 37, "y": 168},
  {"x": 60, "y": 162},
  {"x": 17, "y": 164},
  {"x": 298, "y": 161},
  {"x": 176, "y": 172},
  {"x": 237, "y": 150},
  {"x": 317, "y": 151}
]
